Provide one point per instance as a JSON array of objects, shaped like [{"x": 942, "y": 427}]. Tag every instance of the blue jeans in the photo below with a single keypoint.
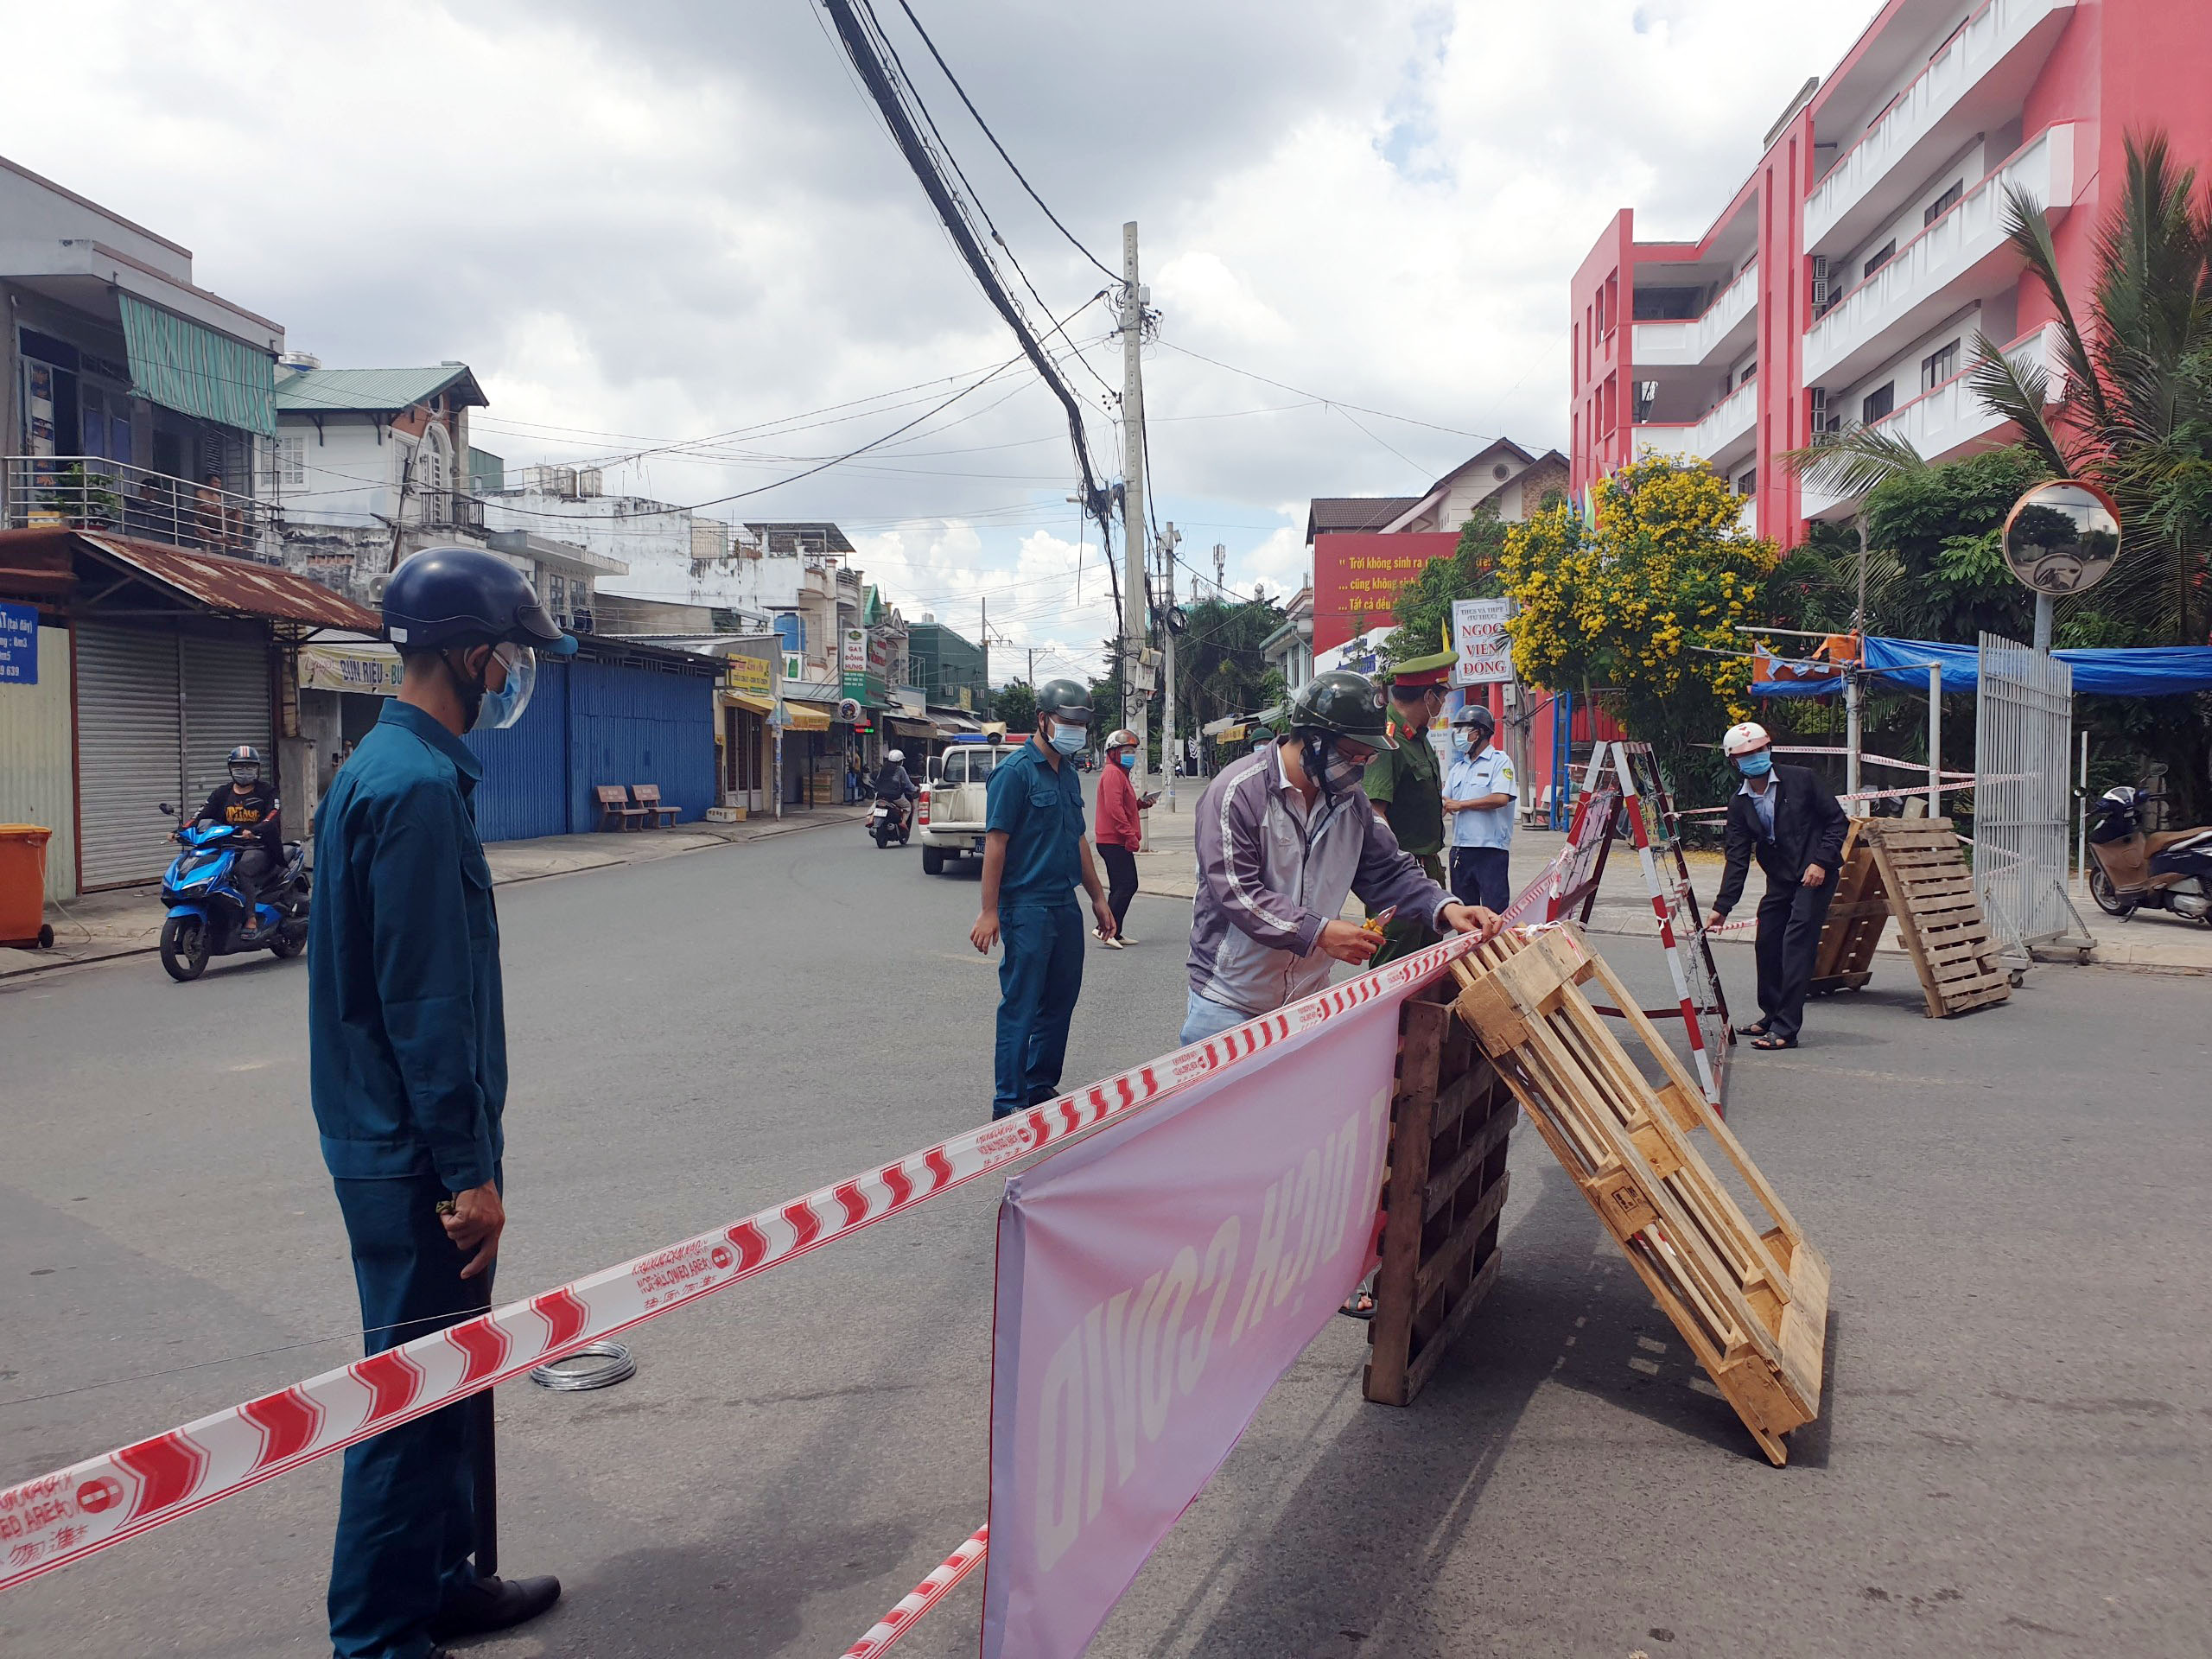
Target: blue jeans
[
  {"x": 1202, "y": 1017},
  {"x": 407, "y": 1509},
  {"x": 1039, "y": 978}
]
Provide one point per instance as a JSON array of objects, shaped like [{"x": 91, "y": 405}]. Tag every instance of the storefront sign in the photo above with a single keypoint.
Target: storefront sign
[
  {"x": 1357, "y": 579},
  {"x": 855, "y": 657},
  {"x": 747, "y": 674},
  {"x": 1486, "y": 655},
  {"x": 18, "y": 645},
  {"x": 372, "y": 669}
]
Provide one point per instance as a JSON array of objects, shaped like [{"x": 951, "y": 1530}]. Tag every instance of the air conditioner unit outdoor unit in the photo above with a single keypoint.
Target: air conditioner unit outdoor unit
[
  {"x": 1824, "y": 293},
  {"x": 1823, "y": 419}
]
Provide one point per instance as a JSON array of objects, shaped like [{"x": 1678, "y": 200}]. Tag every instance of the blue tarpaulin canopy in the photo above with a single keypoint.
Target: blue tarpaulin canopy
[{"x": 2146, "y": 672}]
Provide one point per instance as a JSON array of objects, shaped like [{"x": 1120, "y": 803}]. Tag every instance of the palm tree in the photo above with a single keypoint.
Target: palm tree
[{"x": 2135, "y": 412}]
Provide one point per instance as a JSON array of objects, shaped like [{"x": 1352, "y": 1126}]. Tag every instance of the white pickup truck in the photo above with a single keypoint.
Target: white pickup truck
[{"x": 949, "y": 821}]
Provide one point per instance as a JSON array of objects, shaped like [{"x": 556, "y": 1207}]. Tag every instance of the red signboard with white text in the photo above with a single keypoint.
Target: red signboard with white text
[{"x": 1358, "y": 578}]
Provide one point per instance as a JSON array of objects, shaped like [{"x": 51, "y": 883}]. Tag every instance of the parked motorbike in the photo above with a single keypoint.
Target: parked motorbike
[
  {"x": 889, "y": 821},
  {"x": 2131, "y": 870},
  {"x": 207, "y": 912}
]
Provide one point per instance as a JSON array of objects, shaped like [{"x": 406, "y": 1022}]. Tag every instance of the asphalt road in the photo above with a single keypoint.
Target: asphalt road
[{"x": 2014, "y": 1462}]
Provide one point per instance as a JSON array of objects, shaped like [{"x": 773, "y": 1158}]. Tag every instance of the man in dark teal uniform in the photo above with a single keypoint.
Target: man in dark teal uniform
[
  {"x": 1033, "y": 855},
  {"x": 407, "y": 1053}
]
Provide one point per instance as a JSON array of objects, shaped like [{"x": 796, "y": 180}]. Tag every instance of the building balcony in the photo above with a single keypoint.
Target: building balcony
[
  {"x": 1975, "y": 84},
  {"x": 1726, "y": 328},
  {"x": 1961, "y": 257},
  {"x": 90, "y": 493},
  {"x": 1950, "y": 420},
  {"x": 1724, "y": 433}
]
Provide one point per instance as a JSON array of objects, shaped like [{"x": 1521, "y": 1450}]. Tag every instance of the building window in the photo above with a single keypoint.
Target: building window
[
  {"x": 1748, "y": 373},
  {"x": 1939, "y": 367},
  {"x": 292, "y": 460},
  {"x": 1944, "y": 203},
  {"x": 1876, "y": 405},
  {"x": 1881, "y": 257},
  {"x": 1747, "y": 483}
]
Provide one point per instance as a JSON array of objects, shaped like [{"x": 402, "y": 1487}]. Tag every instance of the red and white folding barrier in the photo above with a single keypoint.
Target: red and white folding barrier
[
  {"x": 923, "y": 1597},
  {"x": 54, "y": 1519}
]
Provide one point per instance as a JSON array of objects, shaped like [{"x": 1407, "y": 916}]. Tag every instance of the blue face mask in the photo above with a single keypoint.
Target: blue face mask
[
  {"x": 1068, "y": 740},
  {"x": 1459, "y": 739},
  {"x": 1755, "y": 766},
  {"x": 1127, "y": 762}
]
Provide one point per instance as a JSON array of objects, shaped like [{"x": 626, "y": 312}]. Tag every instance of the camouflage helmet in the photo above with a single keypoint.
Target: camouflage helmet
[{"x": 1342, "y": 703}]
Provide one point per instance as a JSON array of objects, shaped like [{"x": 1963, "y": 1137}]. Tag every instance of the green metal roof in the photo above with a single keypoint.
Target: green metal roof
[{"x": 374, "y": 391}]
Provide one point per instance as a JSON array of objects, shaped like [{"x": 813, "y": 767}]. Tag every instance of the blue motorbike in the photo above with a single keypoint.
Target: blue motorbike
[{"x": 206, "y": 913}]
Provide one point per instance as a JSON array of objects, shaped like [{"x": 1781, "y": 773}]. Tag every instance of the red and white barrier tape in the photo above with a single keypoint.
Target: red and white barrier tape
[
  {"x": 54, "y": 1519},
  {"x": 1881, "y": 794},
  {"x": 1868, "y": 760},
  {"x": 923, "y": 1597}
]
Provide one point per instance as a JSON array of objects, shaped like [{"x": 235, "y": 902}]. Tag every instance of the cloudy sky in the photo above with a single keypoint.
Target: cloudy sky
[{"x": 672, "y": 237}]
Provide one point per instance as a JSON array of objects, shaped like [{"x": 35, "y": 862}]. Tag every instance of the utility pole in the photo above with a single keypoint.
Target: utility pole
[
  {"x": 1169, "y": 541},
  {"x": 1220, "y": 568},
  {"x": 1134, "y": 709},
  {"x": 987, "y": 709},
  {"x": 1032, "y": 668}
]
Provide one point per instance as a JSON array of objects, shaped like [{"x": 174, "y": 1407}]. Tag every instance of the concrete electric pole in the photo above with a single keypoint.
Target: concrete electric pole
[
  {"x": 1134, "y": 687},
  {"x": 1169, "y": 541}
]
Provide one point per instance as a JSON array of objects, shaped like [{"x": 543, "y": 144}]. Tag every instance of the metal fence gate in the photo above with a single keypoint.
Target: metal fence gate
[{"x": 2023, "y": 817}]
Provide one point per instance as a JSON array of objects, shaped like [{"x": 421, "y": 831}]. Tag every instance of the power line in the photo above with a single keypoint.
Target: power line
[
  {"x": 1335, "y": 403},
  {"x": 954, "y": 81}
]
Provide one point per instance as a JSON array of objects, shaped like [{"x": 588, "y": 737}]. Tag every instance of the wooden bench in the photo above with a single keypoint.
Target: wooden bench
[
  {"x": 647, "y": 797},
  {"x": 615, "y": 809}
]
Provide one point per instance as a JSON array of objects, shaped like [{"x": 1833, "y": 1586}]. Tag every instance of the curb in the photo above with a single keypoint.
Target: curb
[{"x": 62, "y": 965}]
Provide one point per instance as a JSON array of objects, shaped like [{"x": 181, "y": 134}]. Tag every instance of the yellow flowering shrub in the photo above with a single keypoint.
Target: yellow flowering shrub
[{"x": 1620, "y": 602}]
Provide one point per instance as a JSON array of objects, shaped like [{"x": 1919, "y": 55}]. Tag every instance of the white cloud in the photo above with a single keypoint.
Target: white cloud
[{"x": 668, "y": 218}]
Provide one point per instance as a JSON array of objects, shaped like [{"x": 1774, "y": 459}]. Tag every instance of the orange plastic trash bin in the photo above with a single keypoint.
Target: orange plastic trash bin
[{"x": 22, "y": 886}]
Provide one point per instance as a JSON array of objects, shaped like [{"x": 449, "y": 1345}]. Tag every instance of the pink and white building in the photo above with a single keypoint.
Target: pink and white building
[{"x": 1847, "y": 280}]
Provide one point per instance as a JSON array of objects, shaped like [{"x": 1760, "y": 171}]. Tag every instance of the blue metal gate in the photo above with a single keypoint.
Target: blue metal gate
[{"x": 525, "y": 787}]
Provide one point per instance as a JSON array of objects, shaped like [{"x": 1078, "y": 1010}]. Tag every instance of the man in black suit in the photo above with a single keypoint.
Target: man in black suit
[{"x": 1797, "y": 826}]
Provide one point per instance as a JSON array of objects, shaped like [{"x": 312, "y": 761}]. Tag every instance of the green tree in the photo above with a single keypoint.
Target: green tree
[
  {"x": 1469, "y": 571},
  {"x": 1015, "y": 703}
]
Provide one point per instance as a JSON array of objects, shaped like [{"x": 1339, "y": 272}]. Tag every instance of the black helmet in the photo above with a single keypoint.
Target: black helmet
[
  {"x": 1342, "y": 705},
  {"x": 1065, "y": 700},
  {"x": 464, "y": 595},
  {"x": 1477, "y": 713},
  {"x": 246, "y": 759}
]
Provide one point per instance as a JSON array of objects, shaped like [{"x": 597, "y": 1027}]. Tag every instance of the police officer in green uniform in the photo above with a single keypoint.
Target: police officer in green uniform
[
  {"x": 1034, "y": 855},
  {"x": 406, "y": 1054},
  {"x": 1406, "y": 786}
]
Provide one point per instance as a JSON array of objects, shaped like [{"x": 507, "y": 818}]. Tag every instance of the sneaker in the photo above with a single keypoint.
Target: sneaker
[{"x": 1117, "y": 943}]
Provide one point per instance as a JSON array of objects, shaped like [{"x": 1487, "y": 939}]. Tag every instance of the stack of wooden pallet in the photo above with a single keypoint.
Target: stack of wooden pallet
[
  {"x": 1751, "y": 1303},
  {"x": 1843, "y": 959},
  {"x": 1929, "y": 888},
  {"x": 1449, "y": 1120}
]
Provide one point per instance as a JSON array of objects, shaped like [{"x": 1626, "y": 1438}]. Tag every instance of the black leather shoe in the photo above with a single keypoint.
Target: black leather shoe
[{"x": 494, "y": 1605}]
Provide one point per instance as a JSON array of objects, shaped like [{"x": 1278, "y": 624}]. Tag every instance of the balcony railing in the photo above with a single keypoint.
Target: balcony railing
[
  {"x": 1991, "y": 38},
  {"x": 1686, "y": 344},
  {"x": 1727, "y": 424},
  {"x": 448, "y": 509},
  {"x": 92, "y": 493},
  {"x": 1961, "y": 257}
]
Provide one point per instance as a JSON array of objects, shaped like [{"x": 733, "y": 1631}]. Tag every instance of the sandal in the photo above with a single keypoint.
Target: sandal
[
  {"x": 1360, "y": 1305},
  {"x": 1759, "y": 1030},
  {"x": 1772, "y": 1042}
]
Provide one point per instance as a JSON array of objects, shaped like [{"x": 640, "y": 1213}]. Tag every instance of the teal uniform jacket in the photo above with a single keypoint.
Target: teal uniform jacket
[{"x": 407, "y": 1042}]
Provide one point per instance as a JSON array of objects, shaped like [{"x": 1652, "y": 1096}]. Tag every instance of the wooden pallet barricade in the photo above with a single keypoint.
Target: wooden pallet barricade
[
  {"x": 1752, "y": 1304},
  {"x": 1843, "y": 959},
  {"x": 1928, "y": 887},
  {"x": 1449, "y": 1116}
]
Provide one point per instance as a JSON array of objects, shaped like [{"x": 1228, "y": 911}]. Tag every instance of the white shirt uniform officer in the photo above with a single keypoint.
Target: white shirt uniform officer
[{"x": 1480, "y": 795}]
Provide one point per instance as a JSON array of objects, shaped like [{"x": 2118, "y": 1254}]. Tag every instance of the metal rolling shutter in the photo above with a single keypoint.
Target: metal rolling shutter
[
  {"x": 226, "y": 704},
  {"x": 129, "y": 728}
]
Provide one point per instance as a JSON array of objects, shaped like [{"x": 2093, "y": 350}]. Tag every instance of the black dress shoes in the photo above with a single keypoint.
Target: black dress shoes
[{"x": 494, "y": 1605}]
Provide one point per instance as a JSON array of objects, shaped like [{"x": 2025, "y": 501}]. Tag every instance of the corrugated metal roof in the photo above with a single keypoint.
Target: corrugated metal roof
[
  {"x": 235, "y": 586},
  {"x": 801, "y": 537},
  {"x": 1356, "y": 512},
  {"x": 374, "y": 391}
]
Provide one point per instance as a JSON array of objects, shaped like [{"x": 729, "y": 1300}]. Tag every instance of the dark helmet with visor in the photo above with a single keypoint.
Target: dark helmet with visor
[
  {"x": 1066, "y": 700},
  {"x": 1341, "y": 703},
  {"x": 244, "y": 764},
  {"x": 460, "y": 596}
]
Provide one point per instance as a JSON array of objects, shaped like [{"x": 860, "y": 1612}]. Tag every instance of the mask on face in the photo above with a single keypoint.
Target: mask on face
[
  {"x": 1068, "y": 740},
  {"x": 487, "y": 710},
  {"x": 1459, "y": 739},
  {"x": 1334, "y": 770},
  {"x": 1755, "y": 766},
  {"x": 1127, "y": 762}
]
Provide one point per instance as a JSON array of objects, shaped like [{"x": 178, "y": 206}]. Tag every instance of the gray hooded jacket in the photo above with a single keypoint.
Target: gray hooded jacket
[{"x": 1270, "y": 877}]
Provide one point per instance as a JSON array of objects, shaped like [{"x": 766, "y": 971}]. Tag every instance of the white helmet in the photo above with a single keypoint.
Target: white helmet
[
  {"x": 897, "y": 757},
  {"x": 1120, "y": 738},
  {"x": 1742, "y": 740}
]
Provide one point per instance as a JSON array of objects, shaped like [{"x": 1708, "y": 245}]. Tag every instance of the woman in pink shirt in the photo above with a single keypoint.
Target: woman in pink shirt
[{"x": 1120, "y": 833}]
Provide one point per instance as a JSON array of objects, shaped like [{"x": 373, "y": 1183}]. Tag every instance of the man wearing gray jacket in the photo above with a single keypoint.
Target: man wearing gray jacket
[{"x": 1285, "y": 836}]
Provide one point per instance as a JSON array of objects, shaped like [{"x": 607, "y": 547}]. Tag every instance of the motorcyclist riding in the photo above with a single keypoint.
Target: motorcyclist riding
[
  {"x": 894, "y": 784},
  {"x": 248, "y": 799}
]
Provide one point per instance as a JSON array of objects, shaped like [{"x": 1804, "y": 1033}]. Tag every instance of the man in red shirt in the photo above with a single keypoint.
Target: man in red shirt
[{"x": 1119, "y": 832}]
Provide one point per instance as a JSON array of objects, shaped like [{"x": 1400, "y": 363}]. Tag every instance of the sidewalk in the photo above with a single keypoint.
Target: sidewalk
[
  {"x": 127, "y": 922},
  {"x": 2153, "y": 943}
]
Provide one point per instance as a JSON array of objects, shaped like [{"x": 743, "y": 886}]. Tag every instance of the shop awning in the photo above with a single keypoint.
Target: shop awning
[
  {"x": 747, "y": 701},
  {"x": 196, "y": 370},
  {"x": 953, "y": 725},
  {"x": 800, "y": 715},
  {"x": 371, "y": 669}
]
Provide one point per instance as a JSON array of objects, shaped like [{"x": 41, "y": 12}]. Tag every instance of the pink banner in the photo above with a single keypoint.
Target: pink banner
[{"x": 1153, "y": 1281}]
